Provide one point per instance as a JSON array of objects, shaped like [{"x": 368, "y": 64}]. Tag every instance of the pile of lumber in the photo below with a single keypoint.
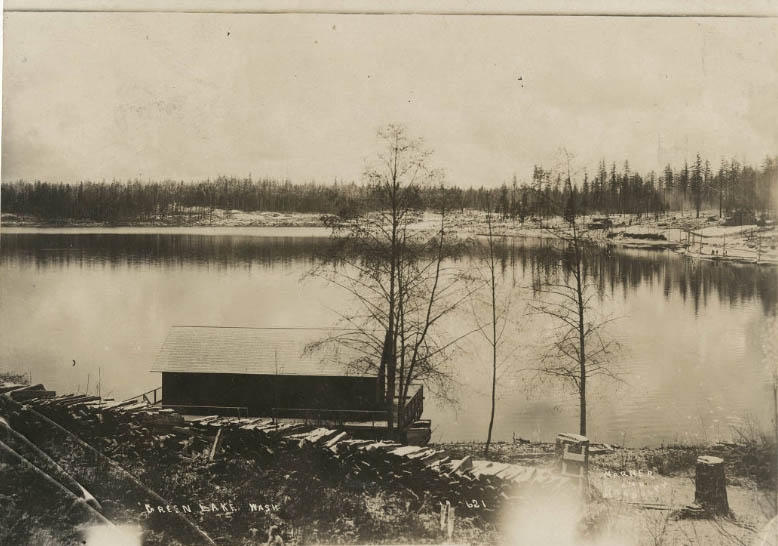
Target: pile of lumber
[
  {"x": 129, "y": 428},
  {"x": 482, "y": 486},
  {"x": 77, "y": 453},
  {"x": 116, "y": 428},
  {"x": 26, "y": 392}
]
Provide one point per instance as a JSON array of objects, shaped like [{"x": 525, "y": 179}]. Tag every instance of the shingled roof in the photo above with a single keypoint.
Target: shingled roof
[{"x": 270, "y": 351}]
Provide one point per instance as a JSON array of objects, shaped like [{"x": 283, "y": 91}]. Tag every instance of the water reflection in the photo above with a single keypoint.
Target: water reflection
[
  {"x": 610, "y": 269},
  {"x": 49, "y": 250},
  {"x": 692, "y": 331},
  {"x": 629, "y": 269}
]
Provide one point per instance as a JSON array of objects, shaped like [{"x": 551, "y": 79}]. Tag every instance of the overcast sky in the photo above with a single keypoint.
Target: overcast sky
[{"x": 190, "y": 96}]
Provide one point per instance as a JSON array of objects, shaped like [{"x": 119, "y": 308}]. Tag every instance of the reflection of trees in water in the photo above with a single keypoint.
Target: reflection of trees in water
[
  {"x": 612, "y": 270},
  {"x": 158, "y": 249},
  {"x": 624, "y": 269}
]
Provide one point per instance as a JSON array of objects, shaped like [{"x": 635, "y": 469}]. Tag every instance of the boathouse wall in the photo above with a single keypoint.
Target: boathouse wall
[{"x": 267, "y": 395}]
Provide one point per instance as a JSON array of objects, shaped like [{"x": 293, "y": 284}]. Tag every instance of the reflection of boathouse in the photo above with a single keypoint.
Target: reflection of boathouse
[{"x": 268, "y": 372}]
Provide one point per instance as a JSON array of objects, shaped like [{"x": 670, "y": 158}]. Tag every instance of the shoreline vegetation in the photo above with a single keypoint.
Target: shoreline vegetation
[
  {"x": 707, "y": 237},
  {"x": 723, "y": 213}
]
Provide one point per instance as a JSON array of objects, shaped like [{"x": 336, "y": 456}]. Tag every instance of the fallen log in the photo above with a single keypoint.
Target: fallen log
[
  {"x": 126, "y": 474},
  {"x": 72, "y": 484},
  {"x": 79, "y": 500},
  {"x": 28, "y": 395}
]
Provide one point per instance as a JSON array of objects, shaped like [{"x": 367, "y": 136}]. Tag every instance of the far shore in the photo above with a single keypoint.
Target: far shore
[{"x": 703, "y": 238}]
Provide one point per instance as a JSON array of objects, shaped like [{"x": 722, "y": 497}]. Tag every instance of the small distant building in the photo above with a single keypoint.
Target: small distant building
[
  {"x": 741, "y": 217},
  {"x": 262, "y": 372},
  {"x": 600, "y": 223}
]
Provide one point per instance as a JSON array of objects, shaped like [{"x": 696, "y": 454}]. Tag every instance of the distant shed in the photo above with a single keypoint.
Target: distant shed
[{"x": 261, "y": 372}]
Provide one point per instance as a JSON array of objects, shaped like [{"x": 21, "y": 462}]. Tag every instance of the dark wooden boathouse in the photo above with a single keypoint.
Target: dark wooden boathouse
[{"x": 262, "y": 372}]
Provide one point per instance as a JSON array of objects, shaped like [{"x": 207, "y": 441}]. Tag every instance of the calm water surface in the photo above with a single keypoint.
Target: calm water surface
[{"x": 692, "y": 333}]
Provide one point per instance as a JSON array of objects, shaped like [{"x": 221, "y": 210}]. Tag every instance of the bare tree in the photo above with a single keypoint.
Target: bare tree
[
  {"x": 579, "y": 350},
  {"x": 498, "y": 303},
  {"x": 493, "y": 340},
  {"x": 395, "y": 272}
]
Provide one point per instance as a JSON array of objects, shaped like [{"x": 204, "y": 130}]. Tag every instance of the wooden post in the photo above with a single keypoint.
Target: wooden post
[
  {"x": 215, "y": 444},
  {"x": 447, "y": 519},
  {"x": 444, "y": 509},
  {"x": 710, "y": 485},
  {"x": 450, "y": 527}
]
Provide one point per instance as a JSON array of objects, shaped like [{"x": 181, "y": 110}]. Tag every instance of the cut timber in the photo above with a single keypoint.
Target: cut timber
[
  {"x": 419, "y": 470},
  {"x": 310, "y": 435},
  {"x": 523, "y": 474},
  {"x": 405, "y": 450},
  {"x": 22, "y": 395},
  {"x": 205, "y": 419},
  {"x": 710, "y": 485},
  {"x": 287, "y": 427},
  {"x": 601, "y": 449},
  {"x": 79, "y": 400},
  {"x": 134, "y": 407},
  {"x": 437, "y": 463},
  {"x": 256, "y": 423},
  {"x": 331, "y": 443},
  {"x": 510, "y": 472},
  {"x": 461, "y": 465},
  {"x": 114, "y": 405},
  {"x": 425, "y": 452},
  {"x": 38, "y": 387},
  {"x": 7, "y": 387},
  {"x": 432, "y": 456},
  {"x": 487, "y": 468},
  {"x": 380, "y": 445},
  {"x": 215, "y": 444}
]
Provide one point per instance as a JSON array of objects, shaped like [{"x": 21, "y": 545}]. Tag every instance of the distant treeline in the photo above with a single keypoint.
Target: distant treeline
[{"x": 610, "y": 190}]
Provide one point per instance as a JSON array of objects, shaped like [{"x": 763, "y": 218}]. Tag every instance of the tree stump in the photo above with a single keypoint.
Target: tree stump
[{"x": 710, "y": 486}]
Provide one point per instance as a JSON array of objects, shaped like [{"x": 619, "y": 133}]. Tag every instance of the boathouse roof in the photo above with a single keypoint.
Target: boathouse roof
[{"x": 262, "y": 351}]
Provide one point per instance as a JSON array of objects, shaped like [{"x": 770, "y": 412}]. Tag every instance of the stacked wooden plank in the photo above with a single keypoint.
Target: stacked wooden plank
[
  {"x": 68, "y": 451},
  {"x": 424, "y": 471},
  {"x": 26, "y": 392},
  {"x": 8, "y": 387},
  {"x": 120, "y": 428}
]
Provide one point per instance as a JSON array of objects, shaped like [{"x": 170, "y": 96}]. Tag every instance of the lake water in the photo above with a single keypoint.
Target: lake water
[{"x": 692, "y": 362}]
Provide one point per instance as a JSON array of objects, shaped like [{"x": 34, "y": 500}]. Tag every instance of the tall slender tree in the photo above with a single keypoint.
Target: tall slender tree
[
  {"x": 697, "y": 184},
  {"x": 580, "y": 348},
  {"x": 396, "y": 276}
]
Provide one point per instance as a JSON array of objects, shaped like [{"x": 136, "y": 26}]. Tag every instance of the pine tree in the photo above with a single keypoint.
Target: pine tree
[{"x": 696, "y": 184}]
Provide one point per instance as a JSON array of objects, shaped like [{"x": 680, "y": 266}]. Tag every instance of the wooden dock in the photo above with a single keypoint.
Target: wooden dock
[{"x": 358, "y": 423}]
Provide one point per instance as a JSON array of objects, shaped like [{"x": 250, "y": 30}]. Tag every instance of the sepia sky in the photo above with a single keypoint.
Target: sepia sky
[{"x": 93, "y": 96}]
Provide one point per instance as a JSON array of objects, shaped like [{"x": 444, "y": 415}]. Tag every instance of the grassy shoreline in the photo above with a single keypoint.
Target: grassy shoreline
[{"x": 750, "y": 461}]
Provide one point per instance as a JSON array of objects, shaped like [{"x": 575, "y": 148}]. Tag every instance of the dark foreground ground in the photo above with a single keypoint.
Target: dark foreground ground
[{"x": 170, "y": 486}]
